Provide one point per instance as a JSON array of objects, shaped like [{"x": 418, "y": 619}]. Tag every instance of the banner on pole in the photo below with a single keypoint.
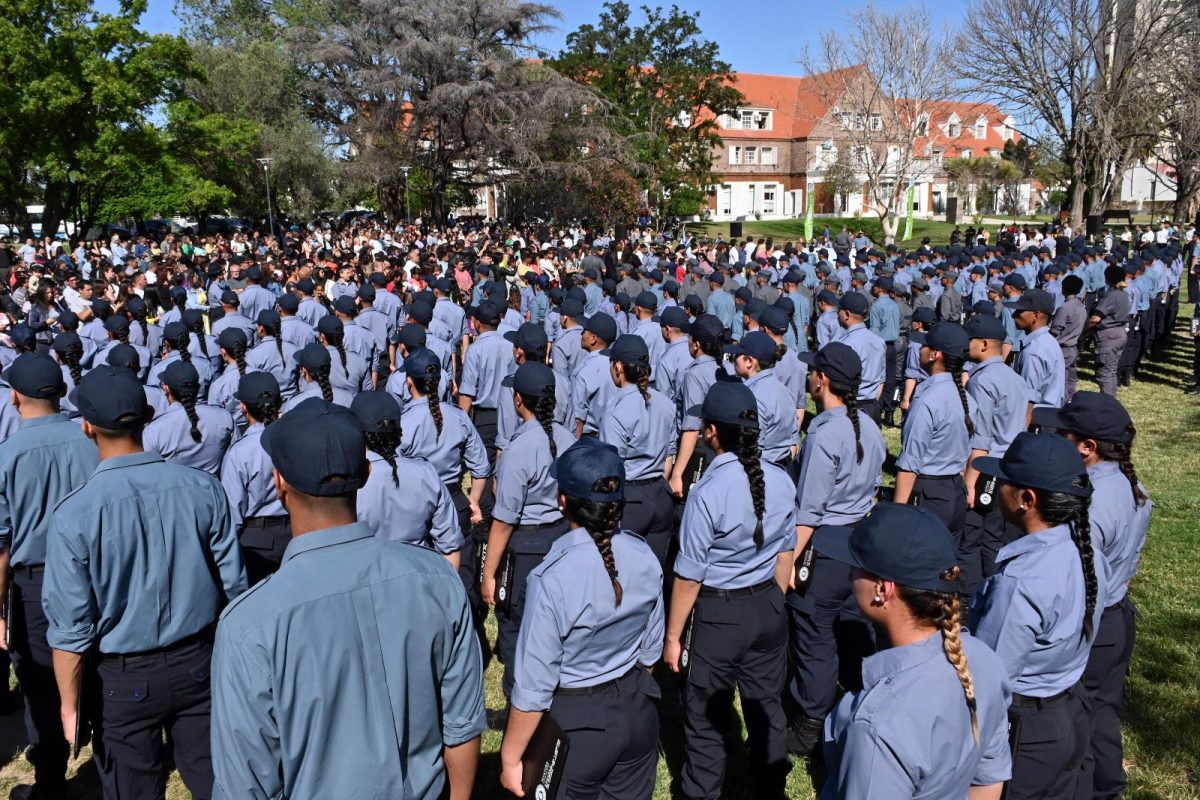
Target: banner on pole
[
  {"x": 808, "y": 217},
  {"x": 909, "y": 217}
]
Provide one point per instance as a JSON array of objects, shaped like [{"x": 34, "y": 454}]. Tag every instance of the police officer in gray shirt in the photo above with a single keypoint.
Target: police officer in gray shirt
[
  {"x": 189, "y": 432},
  {"x": 1067, "y": 326},
  {"x": 147, "y": 603},
  {"x": 47, "y": 458},
  {"x": 1109, "y": 318}
]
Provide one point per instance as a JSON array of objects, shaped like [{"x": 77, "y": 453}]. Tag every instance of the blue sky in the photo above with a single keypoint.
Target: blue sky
[{"x": 753, "y": 35}]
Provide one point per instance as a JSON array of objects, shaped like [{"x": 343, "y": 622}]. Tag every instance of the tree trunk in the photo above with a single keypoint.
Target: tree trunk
[
  {"x": 887, "y": 221},
  {"x": 1078, "y": 190}
]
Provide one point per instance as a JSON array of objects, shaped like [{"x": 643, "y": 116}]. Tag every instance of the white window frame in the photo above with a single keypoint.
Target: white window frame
[
  {"x": 735, "y": 155},
  {"x": 769, "y": 199},
  {"x": 922, "y": 127},
  {"x": 827, "y": 146},
  {"x": 937, "y": 158},
  {"x": 750, "y": 156},
  {"x": 725, "y": 195},
  {"x": 954, "y": 130},
  {"x": 967, "y": 153},
  {"x": 746, "y": 119},
  {"x": 847, "y": 119},
  {"x": 768, "y": 156},
  {"x": 860, "y": 122},
  {"x": 980, "y": 129},
  {"x": 876, "y": 121}
]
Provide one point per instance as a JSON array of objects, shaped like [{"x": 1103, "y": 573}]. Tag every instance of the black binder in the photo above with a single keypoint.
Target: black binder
[
  {"x": 504, "y": 582},
  {"x": 685, "y": 647},
  {"x": 544, "y": 760}
]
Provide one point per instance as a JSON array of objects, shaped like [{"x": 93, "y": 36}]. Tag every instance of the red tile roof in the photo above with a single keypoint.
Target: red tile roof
[{"x": 798, "y": 103}]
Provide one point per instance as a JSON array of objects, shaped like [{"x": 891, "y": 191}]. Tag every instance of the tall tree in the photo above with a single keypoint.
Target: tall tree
[
  {"x": 446, "y": 87},
  {"x": 82, "y": 87},
  {"x": 669, "y": 87},
  {"x": 883, "y": 73},
  {"x": 1088, "y": 77}
]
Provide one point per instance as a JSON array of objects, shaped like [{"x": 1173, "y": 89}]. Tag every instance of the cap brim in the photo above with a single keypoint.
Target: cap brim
[
  {"x": 1049, "y": 417},
  {"x": 734, "y": 350},
  {"x": 511, "y": 336},
  {"x": 833, "y": 541},
  {"x": 990, "y": 465},
  {"x": 508, "y": 381},
  {"x": 809, "y": 357}
]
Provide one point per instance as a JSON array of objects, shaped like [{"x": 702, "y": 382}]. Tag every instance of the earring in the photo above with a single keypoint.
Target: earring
[{"x": 877, "y": 600}]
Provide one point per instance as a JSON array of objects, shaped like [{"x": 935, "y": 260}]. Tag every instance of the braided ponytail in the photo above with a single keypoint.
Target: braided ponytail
[
  {"x": 181, "y": 346},
  {"x": 641, "y": 376},
  {"x": 273, "y": 330},
  {"x": 71, "y": 357},
  {"x": 265, "y": 412},
  {"x": 188, "y": 401},
  {"x": 954, "y": 366},
  {"x": 141, "y": 320},
  {"x": 1059, "y": 508},
  {"x": 944, "y": 609},
  {"x": 335, "y": 340},
  {"x": 385, "y": 443},
  {"x": 122, "y": 335},
  {"x": 600, "y": 520},
  {"x": 780, "y": 351},
  {"x": 543, "y": 412},
  {"x": 849, "y": 395},
  {"x": 429, "y": 388},
  {"x": 239, "y": 356},
  {"x": 743, "y": 442},
  {"x": 198, "y": 329},
  {"x": 795, "y": 332},
  {"x": 1122, "y": 454},
  {"x": 320, "y": 375}
]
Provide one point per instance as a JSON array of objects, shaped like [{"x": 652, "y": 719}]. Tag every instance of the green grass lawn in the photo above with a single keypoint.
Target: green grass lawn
[
  {"x": 791, "y": 229},
  {"x": 1162, "y": 730}
]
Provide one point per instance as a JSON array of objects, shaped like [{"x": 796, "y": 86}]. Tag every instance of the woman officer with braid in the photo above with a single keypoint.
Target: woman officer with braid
[
  {"x": 593, "y": 629},
  {"x": 527, "y": 520},
  {"x": 727, "y": 602},
  {"x": 188, "y": 432},
  {"x": 68, "y": 351},
  {"x": 175, "y": 347},
  {"x": 272, "y": 354},
  {"x": 931, "y": 718},
  {"x": 1041, "y": 610},
  {"x": 262, "y": 523},
  {"x": 640, "y": 423},
  {"x": 314, "y": 364},
  {"x": 841, "y": 465},
  {"x": 1119, "y": 514},
  {"x": 936, "y": 435},
  {"x": 222, "y": 392},
  {"x": 404, "y": 499}
]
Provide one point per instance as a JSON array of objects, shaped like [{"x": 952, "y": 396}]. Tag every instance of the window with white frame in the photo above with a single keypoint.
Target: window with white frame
[
  {"x": 768, "y": 205},
  {"x": 726, "y": 198},
  {"x": 981, "y": 129},
  {"x": 953, "y": 130},
  {"x": 750, "y": 119},
  {"x": 847, "y": 118},
  {"x": 768, "y": 156},
  {"x": 750, "y": 155},
  {"x": 858, "y": 156},
  {"x": 735, "y": 155},
  {"x": 860, "y": 122},
  {"x": 753, "y": 197},
  {"x": 747, "y": 119},
  {"x": 827, "y": 146},
  {"x": 937, "y": 157},
  {"x": 1008, "y": 133},
  {"x": 876, "y": 122},
  {"x": 994, "y": 153},
  {"x": 922, "y": 128},
  {"x": 966, "y": 153}
]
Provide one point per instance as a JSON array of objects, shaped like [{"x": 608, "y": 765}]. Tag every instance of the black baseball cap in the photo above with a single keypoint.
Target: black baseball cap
[
  {"x": 985, "y": 326},
  {"x": 755, "y": 344},
  {"x": 366, "y": 292},
  {"x": 1038, "y": 300},
  {"x": 36, "y": 376},
  {"x": 949, "y": 338},
  {"x": 232, "y": 338},
  {"x": 1091, "y": 414},
  {"x": 117, "y": 323},
  {"x": 66, "y": 342},
  {"x": 111, "y": 398},
  {"x": 827, "y": 297},
  {"x": 837, "y": 360},
  {"x": 412, "y": 337},
  {"x": 924, "y": 314},
  {"x": 1040, "y": 461},
  {"x": 707, "y": 328},
  {"x": 229, "y": 298},
  {"x": 180, "y": 376},
  {"x": 532, "y": 379},
  {"x": 487, "y": 313},
  {"x": 306, "y": 286},
  {"x": 571, "y": 308},
  {"x": 629, "y": 349},
  {"x": 421, "y": 313},
  {"x": 377, "y": 412},
  {"x": 125, "y": 356},
  {"x": 313, "y": 357},
  {"x": 774, "y": 318},
  {"x": 855, "y": 303},
  {"x": 289, "y": 303},
  {"x": 729, "y": 402},
  {"x": 900, "y": 543},
  {"x": 176, "y": 332},
  {"x": 601, "y": 325},
  {"x": 191, "y": 317},
  {"x": 675, "y": 317},
  {"x": 530, "y": 337},
  {"x": 319, "y": 448},
  {"x": 578, "y": 468},
  {"x": 422, "y": 363},
  {"x": 256, "y": 388},
  {"x": 647, "y": 300}
]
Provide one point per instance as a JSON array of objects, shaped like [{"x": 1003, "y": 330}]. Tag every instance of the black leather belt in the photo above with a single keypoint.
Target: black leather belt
[
  {"x": 709, "y": 591},
  {"x": 1025, "y": 701},
  {"x": 950, "y": 477},
  {"x": 205, "y": 634},
  {"x": 644, "y": 481},
  {"x": 540, "y": 526},
  {"x": 583, "y": 691},
  {"x": 264, "y": 522}
]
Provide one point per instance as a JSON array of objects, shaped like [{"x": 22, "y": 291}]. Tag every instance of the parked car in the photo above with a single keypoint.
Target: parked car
[
  {"x": 106, "y": 231},
  {"x": 158, "y": 228}
]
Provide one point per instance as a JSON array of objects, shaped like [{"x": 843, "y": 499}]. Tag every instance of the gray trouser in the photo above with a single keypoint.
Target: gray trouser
[
  {"x": 1070, "y": 360},
  {"x": 1110, "y": 342}
]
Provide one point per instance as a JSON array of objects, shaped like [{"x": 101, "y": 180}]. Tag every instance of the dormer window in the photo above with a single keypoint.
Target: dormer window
[
  {"x": 981, "y": 128},
  {"x": 754, "y": 119},
  {"x": 922, "y": 128},
  {"x": 953, "y": 130}
]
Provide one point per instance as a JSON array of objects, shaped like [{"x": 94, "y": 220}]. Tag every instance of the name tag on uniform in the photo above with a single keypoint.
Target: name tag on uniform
[
  {"x": 685, "y": 648},
  {"x": 804, "y": 567}
]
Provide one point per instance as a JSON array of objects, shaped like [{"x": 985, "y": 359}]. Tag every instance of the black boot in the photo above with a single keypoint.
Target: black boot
[{"x": 804, "y": 734}]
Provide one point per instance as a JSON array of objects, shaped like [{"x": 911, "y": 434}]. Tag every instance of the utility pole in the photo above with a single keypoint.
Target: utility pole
[{"x": 266, "y": 165}]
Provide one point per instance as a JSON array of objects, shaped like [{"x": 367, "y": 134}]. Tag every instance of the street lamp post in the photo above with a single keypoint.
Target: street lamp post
[
  {"x": 266, "y": 165},
  {"x": 404, "y": 169}
]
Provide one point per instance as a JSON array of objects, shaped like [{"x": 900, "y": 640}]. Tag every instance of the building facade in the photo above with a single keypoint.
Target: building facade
[{"x": 792, "y": 137}]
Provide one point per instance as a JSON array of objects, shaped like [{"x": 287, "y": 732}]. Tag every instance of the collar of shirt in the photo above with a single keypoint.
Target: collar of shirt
[
  {"x": 329, "y": 537},
  {"x": 897, "y": 659},
  {"x": 131, "y": 460},
  {"x": 1102, "y": 469},
  {"x": 933, "y": 380},
  {"x": 856, "y": 327},
  {"x": 49, "y": 419},
  {"x": 759, "y": 377},
  {"x": 1050, "y": 537}
]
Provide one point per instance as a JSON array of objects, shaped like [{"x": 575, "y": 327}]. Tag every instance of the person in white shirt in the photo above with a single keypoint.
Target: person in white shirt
[{"x": 27, "y": 251}]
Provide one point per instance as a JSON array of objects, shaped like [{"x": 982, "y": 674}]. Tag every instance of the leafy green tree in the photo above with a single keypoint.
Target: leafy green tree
[
  {"x": 668, "y": 87},
  {"x": 74, "y": 111}
]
